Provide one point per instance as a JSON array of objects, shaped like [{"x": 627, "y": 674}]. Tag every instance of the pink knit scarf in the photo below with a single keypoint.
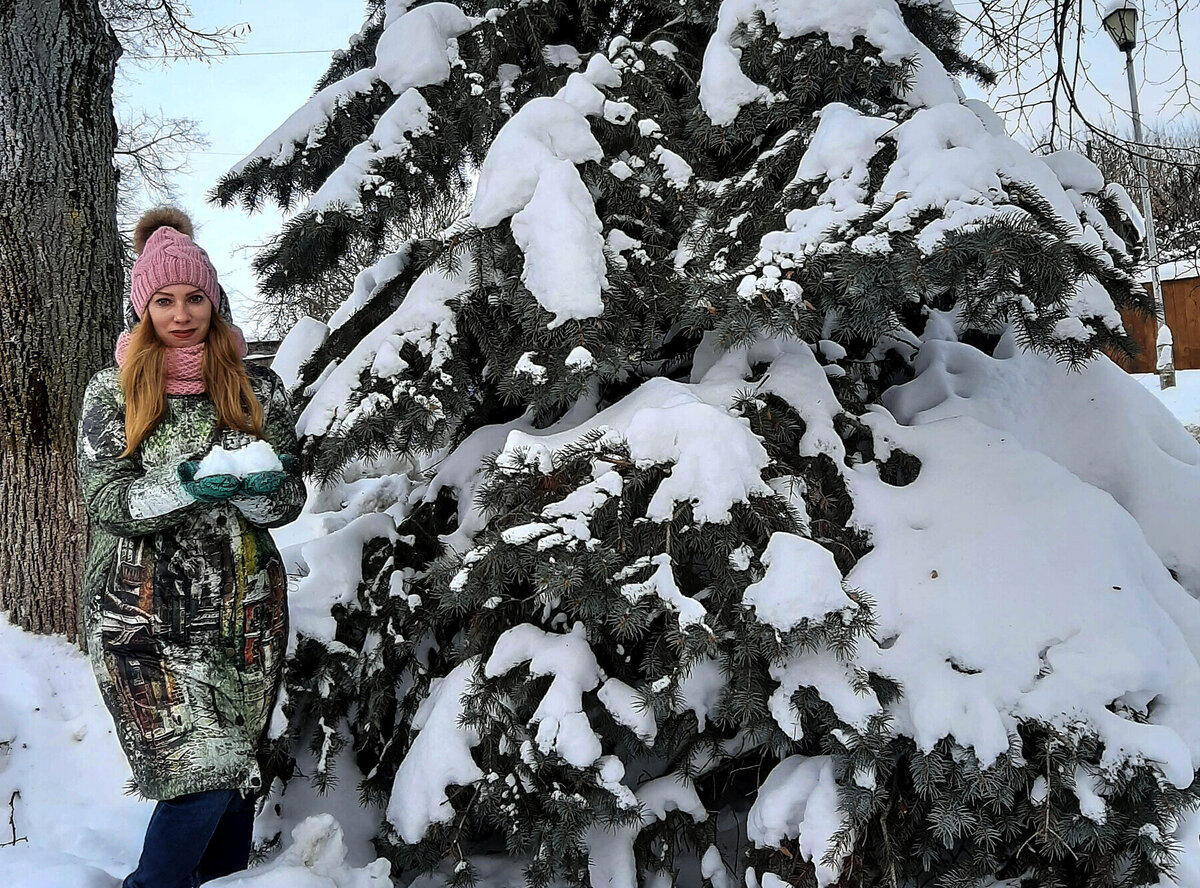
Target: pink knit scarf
[{"x": 182, "y": 366}]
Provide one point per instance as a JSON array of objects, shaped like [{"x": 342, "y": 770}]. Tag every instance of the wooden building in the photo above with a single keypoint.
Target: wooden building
[{"x": 1181, "y": 302}]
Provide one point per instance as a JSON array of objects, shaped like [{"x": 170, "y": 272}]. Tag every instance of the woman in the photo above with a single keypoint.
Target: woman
[{"x": 184, "y": 597}]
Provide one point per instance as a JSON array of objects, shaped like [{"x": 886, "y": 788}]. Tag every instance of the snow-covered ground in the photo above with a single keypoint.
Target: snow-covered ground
[
  {"x": 66, "y": 821},
  {"x": 65, "y": 818},
  {"x": 1183, "y": 399}
]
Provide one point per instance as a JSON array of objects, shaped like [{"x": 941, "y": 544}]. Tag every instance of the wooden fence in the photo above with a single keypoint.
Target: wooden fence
[{"x": 1181, "y": 302}]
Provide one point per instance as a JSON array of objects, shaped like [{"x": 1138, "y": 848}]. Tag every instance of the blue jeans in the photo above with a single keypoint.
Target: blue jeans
[{"x": 193, "y": 839}]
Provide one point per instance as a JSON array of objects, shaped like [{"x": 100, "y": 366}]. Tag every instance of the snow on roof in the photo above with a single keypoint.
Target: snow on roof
[{"x": 1179, "y": 270}]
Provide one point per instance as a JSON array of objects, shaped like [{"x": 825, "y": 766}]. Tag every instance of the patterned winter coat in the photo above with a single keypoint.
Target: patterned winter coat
[{"x": 184, "y": 602}]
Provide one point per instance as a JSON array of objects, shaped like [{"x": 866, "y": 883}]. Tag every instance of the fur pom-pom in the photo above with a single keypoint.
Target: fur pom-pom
[{"x": 154, "y": 219}]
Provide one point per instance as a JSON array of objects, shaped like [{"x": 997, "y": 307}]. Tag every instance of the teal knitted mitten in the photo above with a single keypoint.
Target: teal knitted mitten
[
  {"x": 266, "y": 483},
  {"x": 262, "y": 483},
  {"x": 209, "y": 489}
]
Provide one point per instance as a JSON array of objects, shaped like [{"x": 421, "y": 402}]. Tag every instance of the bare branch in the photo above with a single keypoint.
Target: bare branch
[
  {"x": 152, "y": 149},
  {"x": 1039, "y": 49},
  {"x": 163, "y": 27}
]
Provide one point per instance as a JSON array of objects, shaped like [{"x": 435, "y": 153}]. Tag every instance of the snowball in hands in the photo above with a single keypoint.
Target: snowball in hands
[{"x": 256, "y": 457}]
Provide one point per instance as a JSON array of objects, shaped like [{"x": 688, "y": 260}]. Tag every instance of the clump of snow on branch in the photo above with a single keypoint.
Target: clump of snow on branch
[
  {"x": 440, "y": 756},
  {"x": 798, "y": 800},
  {"x": 300, "y": 343},
  {"x": 725, "y": 89},
  {"x": 611, "y": 861},
  {"x": 559, "y": 232},
  {"x": 417, "y": 48},
  {"x": 335, "y": 572},
  {"x": 662, "y": 583},
  {"x": 950, "y": 159},
  {"x": 316, "y": 856},
  {"x": 423, "y": 318},
  {"x": 530, "y": 174},
  {"x": 407, "y": 117},
  {"x": 562, "y": 725},
  {"x": 368, "y": 282},
  {"x": 1088, "y": 421},
  {"x": 802, "y": 582},
  {"x": 982, "y": 635},
  {"x": 665, "y": 421},
  {"x": 629, "y": 709}
]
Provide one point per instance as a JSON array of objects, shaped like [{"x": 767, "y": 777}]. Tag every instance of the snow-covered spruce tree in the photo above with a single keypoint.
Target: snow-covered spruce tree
[{"x": 665, "y": 595}]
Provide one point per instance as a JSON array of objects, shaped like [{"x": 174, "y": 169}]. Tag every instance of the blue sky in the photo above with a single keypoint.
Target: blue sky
[{"x": 239, "y": 100}]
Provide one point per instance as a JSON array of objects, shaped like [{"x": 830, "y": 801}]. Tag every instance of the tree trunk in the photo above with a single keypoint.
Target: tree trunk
[{"x": 60, "y": 289}]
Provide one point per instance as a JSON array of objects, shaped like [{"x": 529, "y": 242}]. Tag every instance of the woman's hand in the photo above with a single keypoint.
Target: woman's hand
[
  {"x": 266, "y": 483},
  {"x": 210, "y": 488},
  {"x": 261, "y": 483}
]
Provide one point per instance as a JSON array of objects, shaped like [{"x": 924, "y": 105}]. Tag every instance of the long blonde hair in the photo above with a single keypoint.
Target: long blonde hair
[{"x": 225, "y": 382}]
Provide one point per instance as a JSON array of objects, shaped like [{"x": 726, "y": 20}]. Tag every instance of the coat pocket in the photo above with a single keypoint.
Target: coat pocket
[
  {"x": 150, "y": 697},
  {"x": 127, "y": 606}
]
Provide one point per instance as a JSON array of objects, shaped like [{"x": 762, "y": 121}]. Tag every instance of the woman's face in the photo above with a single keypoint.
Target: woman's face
[{"x": 180, "y": 308}]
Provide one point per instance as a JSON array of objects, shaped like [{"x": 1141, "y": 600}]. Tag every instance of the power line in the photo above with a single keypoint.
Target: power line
[{"x": 278, "y": 52}]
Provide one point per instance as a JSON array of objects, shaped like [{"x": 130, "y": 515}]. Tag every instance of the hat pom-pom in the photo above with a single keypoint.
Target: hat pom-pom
[{"x": 159, "y": 217}]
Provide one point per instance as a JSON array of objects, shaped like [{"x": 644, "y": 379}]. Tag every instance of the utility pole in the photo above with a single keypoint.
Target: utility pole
[{"x": 1120, "y": 21}]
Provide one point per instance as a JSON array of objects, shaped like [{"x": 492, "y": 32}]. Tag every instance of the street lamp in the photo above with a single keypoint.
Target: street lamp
[{"x": 1120, "y": 20}]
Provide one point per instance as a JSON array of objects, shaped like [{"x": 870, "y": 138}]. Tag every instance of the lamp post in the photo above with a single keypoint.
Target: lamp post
[{"x": 1120, "y": 21}]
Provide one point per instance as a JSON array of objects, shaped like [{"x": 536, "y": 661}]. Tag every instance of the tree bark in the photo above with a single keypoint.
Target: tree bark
[{"x": 60, "y": 290}]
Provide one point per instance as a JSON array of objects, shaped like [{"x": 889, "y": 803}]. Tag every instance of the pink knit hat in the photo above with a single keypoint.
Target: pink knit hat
[{"x": 167, "y": 255}]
